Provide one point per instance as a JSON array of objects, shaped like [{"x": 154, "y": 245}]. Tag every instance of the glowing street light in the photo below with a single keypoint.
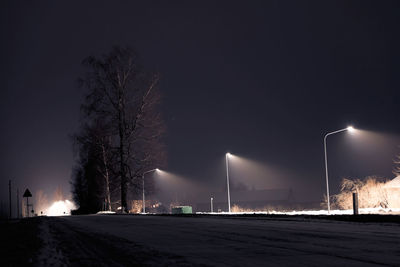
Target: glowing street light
[
  {"x": 143, "y": 203},
  {"x": 350, "y": 129},
  {"x": 227, "y": 180}
]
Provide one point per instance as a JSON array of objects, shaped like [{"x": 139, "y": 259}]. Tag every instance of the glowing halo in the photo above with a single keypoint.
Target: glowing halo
[{"x": 60, "y": 208}]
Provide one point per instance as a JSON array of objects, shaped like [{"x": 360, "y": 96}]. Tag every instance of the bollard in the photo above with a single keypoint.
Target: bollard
[{"x": 355, "y": 203}]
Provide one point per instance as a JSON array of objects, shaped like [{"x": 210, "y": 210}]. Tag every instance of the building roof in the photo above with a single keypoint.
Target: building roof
[{"x": 395, "y": 183}]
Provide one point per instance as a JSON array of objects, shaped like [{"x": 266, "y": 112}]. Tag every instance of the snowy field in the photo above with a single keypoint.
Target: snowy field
[{"x": 216, "y": 241}]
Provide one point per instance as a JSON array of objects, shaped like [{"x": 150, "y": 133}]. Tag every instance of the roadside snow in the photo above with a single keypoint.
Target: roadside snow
[
  {"x": 106, "y": 212},
  {"x": 50, "y": 254},
  {"x": 381, "y": 211}
]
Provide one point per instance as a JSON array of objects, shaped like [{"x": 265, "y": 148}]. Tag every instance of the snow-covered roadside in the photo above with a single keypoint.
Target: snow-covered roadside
[
  {"x": 66, "y": 244},
  {"x": 50, "y": 254},
  {"x": 106, "y": 212},
  {"x": 380, "y": 211}
]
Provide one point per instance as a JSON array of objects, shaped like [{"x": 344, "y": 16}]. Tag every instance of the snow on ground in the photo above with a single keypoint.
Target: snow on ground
[
  {"x": 49, "y": 254},
  {"x": 381, "y": 211},
  {"x": 225, "y": 241},
  {"x": 106, "y": 212}
]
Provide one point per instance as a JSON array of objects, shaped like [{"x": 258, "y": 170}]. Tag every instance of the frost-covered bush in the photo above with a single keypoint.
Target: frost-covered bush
[{"x": 373, "y": 192}]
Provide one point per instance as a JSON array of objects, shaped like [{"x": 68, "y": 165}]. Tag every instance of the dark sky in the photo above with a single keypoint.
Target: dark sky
[{"x": 264, "y": 80}]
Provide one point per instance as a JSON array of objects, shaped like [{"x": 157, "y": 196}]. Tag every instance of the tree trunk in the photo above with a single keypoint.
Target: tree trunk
[
  {"x": 107, "y": 179},
  {"x": 121, "y": 153}
]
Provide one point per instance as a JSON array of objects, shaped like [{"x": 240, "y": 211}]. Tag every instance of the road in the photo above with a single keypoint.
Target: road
[{"x": 216, "y": 241}]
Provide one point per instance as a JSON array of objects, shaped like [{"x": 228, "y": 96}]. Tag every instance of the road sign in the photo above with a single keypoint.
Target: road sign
[{"x": 27, "y": 193}]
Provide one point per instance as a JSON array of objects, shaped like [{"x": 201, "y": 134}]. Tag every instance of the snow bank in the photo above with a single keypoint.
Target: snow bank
[
  {"x": 106, "y": 212},
  {"x": 313, "y": 212}
]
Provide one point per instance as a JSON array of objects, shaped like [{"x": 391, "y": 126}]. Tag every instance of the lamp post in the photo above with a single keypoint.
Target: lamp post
[
  {"x": 227, "y": 180},
  {"x": 143, "y": 203},
  {"x": 350, "y": 128}
]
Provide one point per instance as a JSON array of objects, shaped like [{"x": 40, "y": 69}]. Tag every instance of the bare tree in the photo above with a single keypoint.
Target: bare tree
[
  {"x": 125, "y": 99},
  {"x": 41, "y": 202},
  {"x": 351, "y": 185},
  {"x": 371, "y": 191},
  {"x": 96, "y": 139},
  {"x": 58, "y": 194},
  {"x": 396, "y": 169},
  {"x": 106, "y": 174},
  {"x": 91, "y": 175}
]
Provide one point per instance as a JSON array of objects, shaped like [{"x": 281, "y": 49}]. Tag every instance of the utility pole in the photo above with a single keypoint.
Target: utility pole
[
  {"x": 227, "y": 180},
  {"x": 17, "y": 204},
  {"x": 9, "y": 194}
]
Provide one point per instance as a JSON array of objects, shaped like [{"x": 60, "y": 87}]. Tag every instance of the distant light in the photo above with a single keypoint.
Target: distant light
[
  {"x": 60, "y": 208},
  {"x": 350, "y": 129},
  {"x": 228, "y": 154},
  {"x": 157, "y": 169}
]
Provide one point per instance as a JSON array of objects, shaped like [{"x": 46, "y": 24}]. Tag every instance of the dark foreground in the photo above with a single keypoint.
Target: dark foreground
[{"x": 126, "y": 240}]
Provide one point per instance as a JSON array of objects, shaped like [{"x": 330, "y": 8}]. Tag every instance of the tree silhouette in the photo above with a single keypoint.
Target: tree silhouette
[{"x": 125, "y": 99}]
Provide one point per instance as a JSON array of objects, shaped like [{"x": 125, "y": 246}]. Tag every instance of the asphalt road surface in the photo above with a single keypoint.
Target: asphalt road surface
[{"x": 216, "y": 241}]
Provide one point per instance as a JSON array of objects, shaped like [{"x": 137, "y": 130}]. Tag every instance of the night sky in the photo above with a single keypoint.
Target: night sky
[{"x": 263, "y": 80}]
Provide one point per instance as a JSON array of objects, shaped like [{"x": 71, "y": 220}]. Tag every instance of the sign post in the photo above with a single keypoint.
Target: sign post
[
  {"x": 27, "y": 194},
  {"x": 9, "y": 195},
  {"x": 17, "y": 203}
]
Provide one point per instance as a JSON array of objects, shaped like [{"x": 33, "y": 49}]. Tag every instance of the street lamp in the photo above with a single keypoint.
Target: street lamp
[
  {"x": 350, "y": 129},
  {"x": 143, "y": 203},
  {"x": 227, "y": 180}
]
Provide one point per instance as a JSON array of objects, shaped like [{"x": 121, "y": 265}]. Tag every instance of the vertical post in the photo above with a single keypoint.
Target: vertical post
[
  {"x": 212, "y": 208},
  {"x": 355, "y": 203},
  {"x": 9, "y": 194},
  {"x": 326, "y": 176},
  {"x": 350, "y": 128},
  {"x": 17, "y": 203},
  {"x": 143, "y": 203},
  {"x": 27, "y": 207},
  {"x": 227, "y": 181}
]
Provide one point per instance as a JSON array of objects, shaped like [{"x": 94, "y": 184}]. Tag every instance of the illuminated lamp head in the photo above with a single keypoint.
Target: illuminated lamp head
[{"x": 350, "y": 129}]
